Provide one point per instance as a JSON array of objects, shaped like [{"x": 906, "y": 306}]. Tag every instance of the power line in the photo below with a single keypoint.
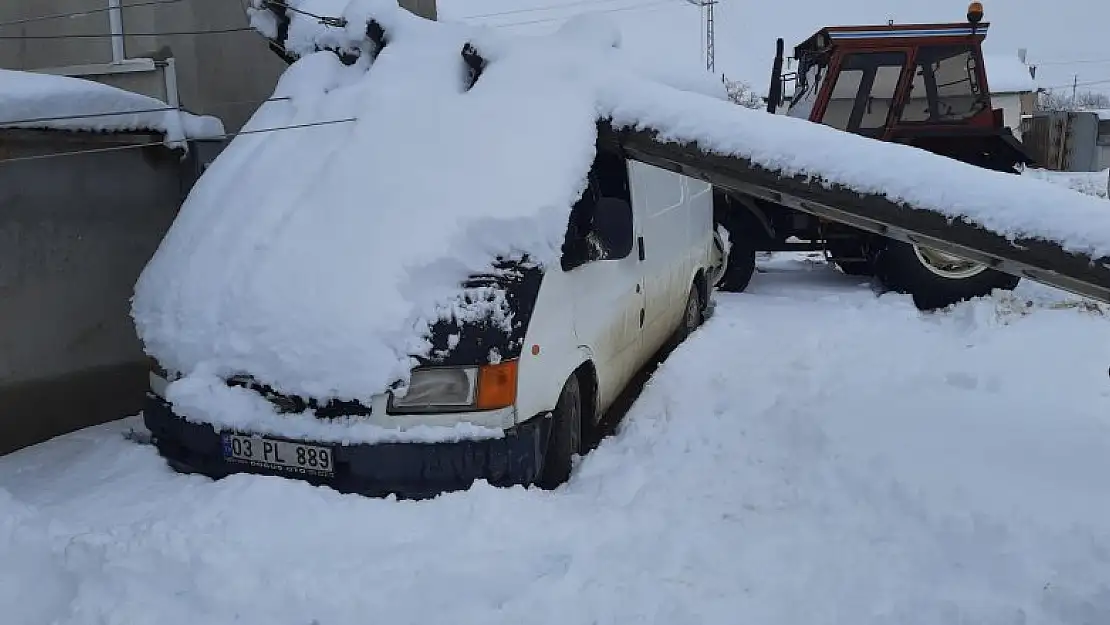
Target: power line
[
  {"x": 164, "y": 109},
  {"x": 1076, "y": 62},
  {"x": 327, "y": 20},
  {"x": 145, "y": 144},
  {"x": 217, "y": 31},
  {"x": 55, "y": 16},
  {"x": 630, "y": 8},
  {"x": 539, "y": 8},
  {"x": 1080, "y": 84}
]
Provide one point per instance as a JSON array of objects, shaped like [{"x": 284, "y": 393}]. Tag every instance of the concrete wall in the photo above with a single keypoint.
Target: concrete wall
[
  {"x": 75, "y": 232},
  {"x": 225, "y": 75},
  {"x": 1011, "y": 106}
]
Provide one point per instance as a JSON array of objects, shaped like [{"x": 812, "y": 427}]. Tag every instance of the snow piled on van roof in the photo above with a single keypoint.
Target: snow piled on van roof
[
  {"x": 315, "y": 256},
  {"x": 45, "y": 101}
]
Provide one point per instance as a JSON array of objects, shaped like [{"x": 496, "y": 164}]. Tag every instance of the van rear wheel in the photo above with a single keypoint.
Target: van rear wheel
[
  {"x": 692, "y": 318},
  {"x": 565, "y": 439}
]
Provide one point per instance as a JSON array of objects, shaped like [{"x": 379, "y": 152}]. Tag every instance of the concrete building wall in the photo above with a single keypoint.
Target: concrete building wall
[
  {"x": 1011, "y": 106},
  {"x": 225, "y": 75},
  {"x": 75, "y": 232}
]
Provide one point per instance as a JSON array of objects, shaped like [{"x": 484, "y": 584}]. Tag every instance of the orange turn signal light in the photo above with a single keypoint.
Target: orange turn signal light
[{"x": 497, "y": 385}]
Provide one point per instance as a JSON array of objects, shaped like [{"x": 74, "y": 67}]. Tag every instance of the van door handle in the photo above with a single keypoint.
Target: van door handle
[{"x": 640, "y": 244}]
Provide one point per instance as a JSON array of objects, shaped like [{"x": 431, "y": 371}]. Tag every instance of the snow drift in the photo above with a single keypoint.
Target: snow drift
[
  {"x": 315, "y": 256},
  {"x": 950, "y": 480},
  {"x": 45, "y": 101}
]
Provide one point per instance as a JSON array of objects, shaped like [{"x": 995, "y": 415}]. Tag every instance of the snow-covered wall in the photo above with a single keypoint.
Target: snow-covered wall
[
  {"x": 75, "y": 233},
  {"x": 45, "y": 101}
]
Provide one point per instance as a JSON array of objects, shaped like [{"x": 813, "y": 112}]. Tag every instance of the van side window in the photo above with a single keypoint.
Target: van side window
[{"x": 601, "y": 223}]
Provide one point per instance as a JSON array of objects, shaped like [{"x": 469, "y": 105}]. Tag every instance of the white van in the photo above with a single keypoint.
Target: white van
[{"x": 638, "y": 265}]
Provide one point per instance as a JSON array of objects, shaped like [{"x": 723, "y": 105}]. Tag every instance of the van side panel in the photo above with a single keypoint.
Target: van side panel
[
  {"x": 661, "y": 203},
  {"x": 540, "y": 376},
  {"x": 699, "y": 195}
]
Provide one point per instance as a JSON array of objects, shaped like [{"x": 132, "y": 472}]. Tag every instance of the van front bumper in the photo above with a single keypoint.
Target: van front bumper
[{"x": 407, "y": 470}]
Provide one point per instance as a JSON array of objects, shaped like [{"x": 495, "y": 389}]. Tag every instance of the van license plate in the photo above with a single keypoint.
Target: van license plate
[{"x": 274, "y": 454}]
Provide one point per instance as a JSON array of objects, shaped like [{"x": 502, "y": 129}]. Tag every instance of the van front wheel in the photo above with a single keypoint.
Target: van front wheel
[{"x": 565, "y": 439}]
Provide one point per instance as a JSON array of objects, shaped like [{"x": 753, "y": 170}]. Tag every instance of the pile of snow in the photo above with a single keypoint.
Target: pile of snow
[
  {"x": 814, "y": 455},
  {"x": 315, "y": 258},
  {"x": 46, "y": 101},
  {"x": 1096, "y": 183},
  {"x": 1007, "y": 74}
]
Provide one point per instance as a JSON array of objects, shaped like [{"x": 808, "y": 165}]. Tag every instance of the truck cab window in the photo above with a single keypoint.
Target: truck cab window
[
  {"x": 863, "y": 95},
  {"x": 945, "y": 86},
  {"x": 811, "y": 73}
]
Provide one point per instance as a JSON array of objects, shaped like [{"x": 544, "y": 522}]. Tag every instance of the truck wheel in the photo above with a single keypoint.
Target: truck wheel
[
  {"x": 565, "y": 439},
  {"x": 936, "y": 279},
  {"x": 740, "y": 265}
]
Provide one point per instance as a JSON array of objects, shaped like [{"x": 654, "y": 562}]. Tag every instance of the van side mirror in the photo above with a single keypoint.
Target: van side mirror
[{"x": 613, "y": 227}]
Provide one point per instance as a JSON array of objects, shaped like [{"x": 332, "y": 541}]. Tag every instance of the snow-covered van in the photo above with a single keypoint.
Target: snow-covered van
[{"x": 508, "y": 394}]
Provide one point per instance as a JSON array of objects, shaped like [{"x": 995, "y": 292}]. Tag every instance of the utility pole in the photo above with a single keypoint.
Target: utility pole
[
  {"x": 708, "y": 48},
  {"x": 1074, "y": 85}
]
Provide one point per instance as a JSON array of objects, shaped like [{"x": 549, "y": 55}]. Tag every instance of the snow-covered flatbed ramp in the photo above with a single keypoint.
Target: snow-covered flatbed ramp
[
  {"x": 814, "y": 455},
  {"x": 1034, "y": 258}
]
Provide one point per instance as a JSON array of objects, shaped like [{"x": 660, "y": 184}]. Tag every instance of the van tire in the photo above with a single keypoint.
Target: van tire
[
  {"x": 565, "y": 438},
  {"x": 692, "y": 317}
]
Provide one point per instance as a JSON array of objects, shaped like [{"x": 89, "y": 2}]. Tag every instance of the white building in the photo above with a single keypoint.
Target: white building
[{"x": 1012, "y": 87}]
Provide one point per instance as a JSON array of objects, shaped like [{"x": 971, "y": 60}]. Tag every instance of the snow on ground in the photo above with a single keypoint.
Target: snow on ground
[
  {"x": 814, "y": 455},
  {"x": 46, "y": 101},
  {"x": 1096, "y": 183}
]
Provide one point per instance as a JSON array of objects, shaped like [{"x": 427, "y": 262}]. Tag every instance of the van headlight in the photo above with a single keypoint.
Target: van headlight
[{"x": 457, "y": 389}]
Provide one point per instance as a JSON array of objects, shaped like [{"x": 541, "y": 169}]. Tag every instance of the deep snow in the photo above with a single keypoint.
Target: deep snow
[
  {"x": 1096, "y": 183},
  {"x": 813, "y": 455},
  {"x": 46, "y": 101},
  {"x": 315, "y": 258}
]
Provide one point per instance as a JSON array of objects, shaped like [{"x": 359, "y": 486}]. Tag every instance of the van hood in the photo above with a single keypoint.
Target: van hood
[{"x": 321, "y": 249}]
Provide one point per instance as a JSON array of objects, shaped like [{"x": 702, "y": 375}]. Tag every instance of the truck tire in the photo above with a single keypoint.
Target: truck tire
[
  {"x": 741, "y": 262},
  {"x": 936, "y": 280},
  {"x": 565, "y": 439}
]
